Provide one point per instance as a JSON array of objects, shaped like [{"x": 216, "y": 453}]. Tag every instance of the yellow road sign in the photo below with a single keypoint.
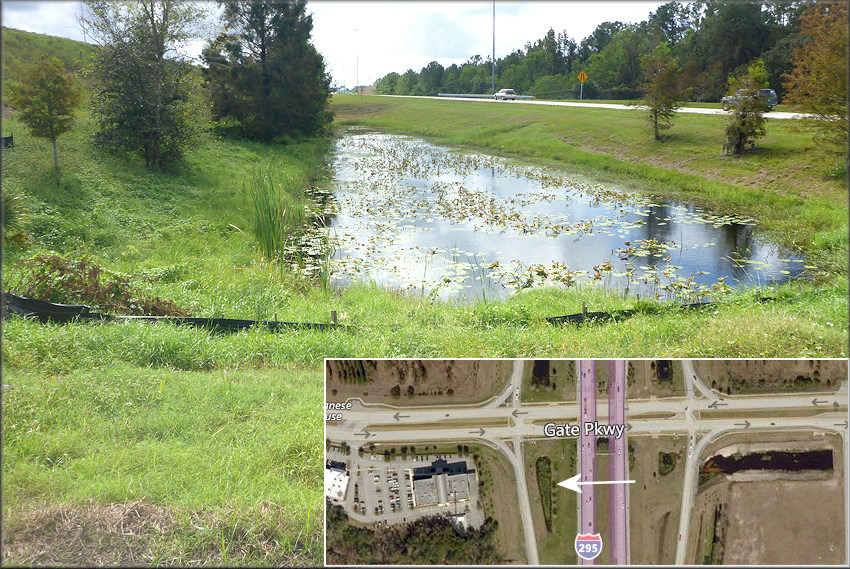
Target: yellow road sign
[{"x": 582, "y": 77}]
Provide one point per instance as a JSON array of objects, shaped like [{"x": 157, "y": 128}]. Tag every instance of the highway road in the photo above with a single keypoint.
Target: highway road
[
  {"x": 587, "y": 446},
  {"x": 617, "y": 463},
  {"x": 702, "y": 414},
  {"x": 385, "y": 417},
  {"x": 694, "y": 110}
]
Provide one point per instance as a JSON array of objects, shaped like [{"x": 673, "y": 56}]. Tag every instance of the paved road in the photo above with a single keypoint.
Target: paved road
[
  {"x": 640, "y": 410},
  {"x": 617, "y": 463},
  {"x": 694, "y": 110},
  {"x": 587, "y": 444}
]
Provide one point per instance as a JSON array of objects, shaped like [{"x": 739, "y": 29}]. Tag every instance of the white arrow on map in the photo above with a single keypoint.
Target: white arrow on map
[{"x": 573, "y": 483}]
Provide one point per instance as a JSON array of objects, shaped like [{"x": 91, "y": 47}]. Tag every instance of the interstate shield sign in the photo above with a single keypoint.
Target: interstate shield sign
[{"x": 588, "y": 545}]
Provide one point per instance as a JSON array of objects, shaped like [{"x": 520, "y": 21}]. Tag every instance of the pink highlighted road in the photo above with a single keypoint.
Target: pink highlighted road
[
  {"x": 619, "y": 542},
  {"x": 587, "y": 386}
]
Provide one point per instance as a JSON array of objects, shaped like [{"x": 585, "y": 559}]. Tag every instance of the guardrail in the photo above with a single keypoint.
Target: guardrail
[{"x": 471, "y": 96}]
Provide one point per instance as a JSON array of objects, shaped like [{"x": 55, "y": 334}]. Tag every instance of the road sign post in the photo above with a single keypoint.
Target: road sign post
[{"x": 582, "y": 77}]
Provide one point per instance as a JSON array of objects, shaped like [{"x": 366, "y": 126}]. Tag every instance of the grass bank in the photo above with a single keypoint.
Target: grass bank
[
  {"x": 165, "y": 453},
  {"x": 785, "y": 183}
]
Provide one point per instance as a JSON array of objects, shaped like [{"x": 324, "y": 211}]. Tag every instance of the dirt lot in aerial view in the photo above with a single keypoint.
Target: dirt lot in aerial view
[
  {"x": 416, "y": 382},
  {"x": 808, "y": 531},
  {"x": 757, "y": 376},
  {"x": 497, "y": 487},
  {"x": 775, "y": 518},
  {"x": 656, "y": 498}
]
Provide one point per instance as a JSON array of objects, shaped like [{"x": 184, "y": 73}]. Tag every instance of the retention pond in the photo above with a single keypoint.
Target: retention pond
[{"x": 411, "y": 215}]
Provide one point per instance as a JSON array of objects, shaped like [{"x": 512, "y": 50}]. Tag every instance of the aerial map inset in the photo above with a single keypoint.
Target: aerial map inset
[{"x": 559, "y": 462}]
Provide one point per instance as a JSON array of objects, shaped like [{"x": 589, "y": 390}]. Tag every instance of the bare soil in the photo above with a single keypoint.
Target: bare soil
[
  {"x": 809, "y": 530},
  {"x": 416, "y": 382},
  {"x": 132, "y": 534},
  {"x": 783, "y": 519}
]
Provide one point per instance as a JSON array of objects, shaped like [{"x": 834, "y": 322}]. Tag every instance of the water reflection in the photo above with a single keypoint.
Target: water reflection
[{"x": 412, "y": 215}]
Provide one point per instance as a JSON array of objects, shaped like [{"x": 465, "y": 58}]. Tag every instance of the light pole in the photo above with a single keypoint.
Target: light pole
[
  {"x": 357, "y": 62},
  {"x": 493, "y": 62}
]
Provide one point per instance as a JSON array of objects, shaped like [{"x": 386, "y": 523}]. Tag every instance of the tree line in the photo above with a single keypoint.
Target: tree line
[
  {"x": 261, "y": 78},
  {"x": 700, "y": 52},
  {"x": 711, "y": 42}
]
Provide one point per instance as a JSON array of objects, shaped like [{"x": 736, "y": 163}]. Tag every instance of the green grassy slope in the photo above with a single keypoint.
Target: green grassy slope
[{"x": 21, "y": 49}]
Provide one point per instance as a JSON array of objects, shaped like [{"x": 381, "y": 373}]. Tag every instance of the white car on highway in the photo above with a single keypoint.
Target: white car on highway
[{"x": 505, "y": 94}]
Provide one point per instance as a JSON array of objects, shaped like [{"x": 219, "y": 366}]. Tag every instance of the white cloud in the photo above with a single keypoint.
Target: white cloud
[{"x": 395, "y": 36}]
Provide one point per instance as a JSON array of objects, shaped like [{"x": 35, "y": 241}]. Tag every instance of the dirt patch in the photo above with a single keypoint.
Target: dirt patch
[
  {"x": 416, "y": 382},
  {"x": 779, "y": 518},
  {"x": 134, "y": 534},
  {"x": 809, "y": 530}
]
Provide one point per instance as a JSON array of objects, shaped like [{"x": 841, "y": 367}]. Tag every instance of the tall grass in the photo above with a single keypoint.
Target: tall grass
[{"x": 279, "y": 209}]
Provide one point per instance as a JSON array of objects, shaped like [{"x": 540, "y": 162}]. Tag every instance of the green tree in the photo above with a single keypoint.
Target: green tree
[
  {"x": 618, "y": 64},
  {"x": 142, "y": 82},
  {"x": 430, "y": 78},
  {"x": 661, "y": 87},
  {"x": 746, "y": 122},
  {"x": 386, "y": 84},
  {"x": 406, "y": 83},
  {"x": 46, "y": 99},
  {"x": 818, "y": 81},
  {"x": 264, "y": 73}
]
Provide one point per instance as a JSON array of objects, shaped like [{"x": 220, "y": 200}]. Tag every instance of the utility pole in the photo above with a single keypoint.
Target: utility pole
[
  {"x": 82, "y": 15},
  {"x": 493, "y": 61},
  {"x": 357, "y": 64}
]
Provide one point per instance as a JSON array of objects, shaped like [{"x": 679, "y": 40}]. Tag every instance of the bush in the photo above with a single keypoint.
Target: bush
[
  {"x": 54, "y": 278},
  {"x": 591, "y": 90}
]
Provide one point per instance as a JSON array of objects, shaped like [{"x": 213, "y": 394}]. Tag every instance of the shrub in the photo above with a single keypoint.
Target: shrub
[{"x": 54, "y": 278}]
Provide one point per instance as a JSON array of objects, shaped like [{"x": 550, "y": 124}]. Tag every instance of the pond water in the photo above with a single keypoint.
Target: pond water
[{"x": 411, "y": 215}]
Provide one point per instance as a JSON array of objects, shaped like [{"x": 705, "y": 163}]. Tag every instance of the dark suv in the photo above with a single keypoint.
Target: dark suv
[{"x": 767, "y": 97}]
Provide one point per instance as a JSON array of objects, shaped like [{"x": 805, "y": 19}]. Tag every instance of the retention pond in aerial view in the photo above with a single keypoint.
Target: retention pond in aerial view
[{"x": 411, "y": 215}]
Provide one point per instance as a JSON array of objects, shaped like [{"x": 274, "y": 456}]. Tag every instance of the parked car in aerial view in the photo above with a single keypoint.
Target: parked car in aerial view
[
  {"x": 766, "y": 96},
  {"x": 505, "y": 94}
]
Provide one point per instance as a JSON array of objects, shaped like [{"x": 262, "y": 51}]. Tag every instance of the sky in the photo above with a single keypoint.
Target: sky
[{"x": 363, "y": 41}]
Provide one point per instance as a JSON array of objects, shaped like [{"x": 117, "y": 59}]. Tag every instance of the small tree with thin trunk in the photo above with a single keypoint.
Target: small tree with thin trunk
[
  {"x": 46, "y": 99},
  {"x": 746, "y": 122},
  {"x": 662, "y": 90}
]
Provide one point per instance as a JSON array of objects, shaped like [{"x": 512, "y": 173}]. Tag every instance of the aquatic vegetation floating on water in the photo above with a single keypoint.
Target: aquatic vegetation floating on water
[{"x": 397, "y": 202}]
